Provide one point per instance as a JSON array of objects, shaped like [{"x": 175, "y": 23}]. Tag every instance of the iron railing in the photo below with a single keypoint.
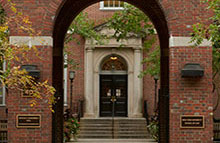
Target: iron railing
[
  {"x": 76, "y": 112},
  {"x": 3, "y": 131},
  {"x": 146, "y": 115},
  {"x": 216, "y": 130}
]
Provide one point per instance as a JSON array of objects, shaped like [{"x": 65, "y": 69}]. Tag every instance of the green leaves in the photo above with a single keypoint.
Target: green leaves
[
  {"x": 84, "y": 27},
  {"x": 71, "y": 126},
  {"x": 131, "y": 20},
  {"x": 126, "y": 23},
  {"x": 211, "y": 32}
]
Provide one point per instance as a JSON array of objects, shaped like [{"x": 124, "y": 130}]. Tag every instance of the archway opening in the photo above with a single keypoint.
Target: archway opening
[{"x": 67, "y": 12}]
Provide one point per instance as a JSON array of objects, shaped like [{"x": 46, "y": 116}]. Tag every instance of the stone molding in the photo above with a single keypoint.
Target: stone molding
[
  {"x": 176, "y": 41},
  {"x": 31, "y": 40}
]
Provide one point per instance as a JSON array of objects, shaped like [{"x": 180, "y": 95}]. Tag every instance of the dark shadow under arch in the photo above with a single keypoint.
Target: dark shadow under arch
[{"x": 67, "y": 11}]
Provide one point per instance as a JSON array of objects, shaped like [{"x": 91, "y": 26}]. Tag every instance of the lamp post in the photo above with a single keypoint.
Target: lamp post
[
  {"x": 155, "y": 97},
  {"x": 71, "y": 77}
]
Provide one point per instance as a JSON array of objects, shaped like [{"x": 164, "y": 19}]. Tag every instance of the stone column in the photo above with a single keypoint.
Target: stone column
[
  {"x": 89, "y": 99},
  {"x": 137, "y": 97}
]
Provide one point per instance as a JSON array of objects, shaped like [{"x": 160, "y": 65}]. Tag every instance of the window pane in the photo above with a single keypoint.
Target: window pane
[
  {"x": 111, "y": 3},
  {"x": 121, "y": 4},
  {"x": 1, "y": 91},
  {"x": 116, "y": 3},
  {"x": 106, "y": 3},
  {"x": 1, "y": 100}
]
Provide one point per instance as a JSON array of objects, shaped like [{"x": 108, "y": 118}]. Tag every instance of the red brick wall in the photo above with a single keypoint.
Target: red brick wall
[
  {"x": 3, "y": 114},
  {"x": 181, "y": 15},
  {"x": 98, "y": 15},
  {"x": 21, "y": 105},
  {"x": 76, "y": 51},
  {"x": 190, "y": 96}
]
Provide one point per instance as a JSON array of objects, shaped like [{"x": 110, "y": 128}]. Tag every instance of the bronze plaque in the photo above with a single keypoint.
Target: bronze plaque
[
  {"x": 28, "y": 121},
  {"x": 192, "y": 121}
]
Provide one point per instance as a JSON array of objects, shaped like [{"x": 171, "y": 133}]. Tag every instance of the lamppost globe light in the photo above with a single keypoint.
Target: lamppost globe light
[
  {"x": 155, "y": 96},
  {"x": 156, "y": 77},
  {"x": 71, "y": 75}
]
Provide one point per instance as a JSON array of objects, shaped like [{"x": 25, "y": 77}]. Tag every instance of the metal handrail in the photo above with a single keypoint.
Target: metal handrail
[
  {"x": 80, "y": 109},
  {"x": 216, "y": 129},
  {"x": 146, "y": 115},
  {"x": 76, "y": 112}
]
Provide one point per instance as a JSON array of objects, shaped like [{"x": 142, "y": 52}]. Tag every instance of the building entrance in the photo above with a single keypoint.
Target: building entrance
[{"x": 113, "y": 95}]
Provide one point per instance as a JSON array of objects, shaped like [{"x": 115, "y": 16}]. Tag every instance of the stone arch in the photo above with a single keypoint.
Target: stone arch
[{"x": 68, "y": 10}]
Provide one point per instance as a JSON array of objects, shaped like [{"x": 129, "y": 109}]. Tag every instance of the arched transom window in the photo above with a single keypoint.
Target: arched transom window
[{"x": 114, "y": 63}]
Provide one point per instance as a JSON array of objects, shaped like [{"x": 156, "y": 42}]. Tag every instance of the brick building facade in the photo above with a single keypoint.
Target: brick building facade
[
  {"x": 179, "y": 96},
  {"x": 96, "y": 13}
]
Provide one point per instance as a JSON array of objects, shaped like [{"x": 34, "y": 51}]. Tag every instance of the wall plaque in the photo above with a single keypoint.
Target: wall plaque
[
  {"x": 192, "y": 121},
  {"x": 28, "y": 121},
  {"x": 27, "y": 92}
]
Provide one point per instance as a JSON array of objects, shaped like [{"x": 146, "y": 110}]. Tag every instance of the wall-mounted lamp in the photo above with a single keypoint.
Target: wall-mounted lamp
[
  {"x": 192, "y": 70},
  {"x": 113, "y": 58},
  {"x": 32, "y": 70}
]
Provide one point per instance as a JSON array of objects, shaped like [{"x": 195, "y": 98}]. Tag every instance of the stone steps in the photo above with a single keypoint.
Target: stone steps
[
  {"x": 115, "y": 141},
  {"x": 124, "y": 128}
]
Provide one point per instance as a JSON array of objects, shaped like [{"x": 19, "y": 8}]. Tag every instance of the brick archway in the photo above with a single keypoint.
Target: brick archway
[
  {"x": 187, "y": 96},
  {"x": 67, "y": 11}
]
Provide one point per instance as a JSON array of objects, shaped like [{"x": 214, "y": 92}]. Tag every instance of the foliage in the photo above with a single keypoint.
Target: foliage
[
  {"x": 71, "y": 126},
  {"x": 152, "y": 59},
  {"x": 12, "y": 77},
  {"x": 133, "y": 20},
  {"x": 153, "y": 127},
  {"x": 83, "y": 26},
  {"x": 130, "y": 20},
  {"x": 211, "y": 32},
  {"x": 2, "y": 15}
]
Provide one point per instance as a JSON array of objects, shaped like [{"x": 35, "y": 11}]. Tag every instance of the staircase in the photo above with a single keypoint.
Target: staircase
[{"x": 120, "y": 130}]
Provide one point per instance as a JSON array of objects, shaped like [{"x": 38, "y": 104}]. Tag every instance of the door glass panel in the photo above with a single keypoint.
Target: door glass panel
[
  {"x": 118, "y": 92},
  {"x": 109, "y": 92}
]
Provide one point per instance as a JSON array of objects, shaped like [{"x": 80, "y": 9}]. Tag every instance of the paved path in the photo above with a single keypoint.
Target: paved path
[{"x": 115, "y": 141}]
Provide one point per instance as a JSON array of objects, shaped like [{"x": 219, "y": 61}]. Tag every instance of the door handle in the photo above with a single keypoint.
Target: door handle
[{"x": 113, "y": 99}]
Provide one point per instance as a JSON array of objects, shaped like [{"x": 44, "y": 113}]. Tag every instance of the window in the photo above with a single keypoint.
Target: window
[
  {"x": 111, "y": 5},
  {"x": 114, "y": 62},
  {"x": 2, "y": 88}
]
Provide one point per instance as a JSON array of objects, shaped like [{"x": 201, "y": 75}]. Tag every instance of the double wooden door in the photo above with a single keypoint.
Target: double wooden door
[{"x": 113, "y": 95}]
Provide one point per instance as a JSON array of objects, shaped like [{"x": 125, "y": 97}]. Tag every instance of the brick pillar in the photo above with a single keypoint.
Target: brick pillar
[
  {"x": 18, "y": 105},
  {"x": 190, "y": 96}
]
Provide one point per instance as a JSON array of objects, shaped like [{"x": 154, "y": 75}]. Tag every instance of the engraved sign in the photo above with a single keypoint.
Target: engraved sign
[
  {"x": 192, "y": 121},
  {"x": 28, "y": 121},
  {"x": 27, "y": 92}
]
